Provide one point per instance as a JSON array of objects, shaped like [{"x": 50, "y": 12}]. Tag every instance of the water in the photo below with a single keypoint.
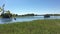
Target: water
[{"x": 27, "y": 18}]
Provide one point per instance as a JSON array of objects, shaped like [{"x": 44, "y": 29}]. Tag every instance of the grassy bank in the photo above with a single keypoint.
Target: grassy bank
[{"x": 33, "y": 27}]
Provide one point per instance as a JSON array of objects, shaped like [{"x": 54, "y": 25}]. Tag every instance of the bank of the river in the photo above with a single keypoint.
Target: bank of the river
[{"x": 32, "y": 27}]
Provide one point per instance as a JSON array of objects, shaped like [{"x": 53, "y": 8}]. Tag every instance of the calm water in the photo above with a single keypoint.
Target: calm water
[{"x": 27, "y": 18}]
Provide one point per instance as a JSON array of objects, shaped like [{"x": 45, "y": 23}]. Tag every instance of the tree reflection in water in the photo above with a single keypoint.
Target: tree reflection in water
[{"x": 5, "y": 20}]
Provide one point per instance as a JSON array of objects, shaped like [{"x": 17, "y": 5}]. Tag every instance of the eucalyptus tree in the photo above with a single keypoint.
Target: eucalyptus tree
[
  {"x": 0, "y": 9},
  {"x": 3, "y": 14}
]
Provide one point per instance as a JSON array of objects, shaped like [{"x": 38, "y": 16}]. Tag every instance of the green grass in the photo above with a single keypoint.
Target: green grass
[{"x": 33, "y": 27}]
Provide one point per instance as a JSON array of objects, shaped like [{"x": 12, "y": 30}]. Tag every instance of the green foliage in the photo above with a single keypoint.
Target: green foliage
[
  {"x": 14, "y": 15},
  {"x": 6, "y": 15},
  {"x": 0, "y": 9},
  {"x": 53, "y": 14},
  {"x": 29, "y": 15},
  {"x": 8, "y": 12}
]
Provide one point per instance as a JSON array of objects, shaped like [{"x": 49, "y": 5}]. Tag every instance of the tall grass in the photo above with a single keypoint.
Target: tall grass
[{"x": 33, "y": 27}]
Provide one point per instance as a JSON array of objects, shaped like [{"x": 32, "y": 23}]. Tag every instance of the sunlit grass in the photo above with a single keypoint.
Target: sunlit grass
[{"x": 33, "y": 27}]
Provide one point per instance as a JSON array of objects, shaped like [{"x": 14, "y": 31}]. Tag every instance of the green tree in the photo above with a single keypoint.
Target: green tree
[
  {"x": 8, "y": 12},
  {"x": 0, "y": 9}
]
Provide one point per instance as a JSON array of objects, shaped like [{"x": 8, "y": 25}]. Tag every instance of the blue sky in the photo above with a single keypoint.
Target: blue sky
[{"x": 32, "y": 6}]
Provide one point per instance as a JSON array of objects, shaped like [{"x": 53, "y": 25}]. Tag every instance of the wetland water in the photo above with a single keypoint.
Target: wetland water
[{"x": 27, "y": 18}]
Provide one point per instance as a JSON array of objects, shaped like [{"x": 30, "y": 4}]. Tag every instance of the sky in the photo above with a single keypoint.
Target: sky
[{"x": 32, "y": 6}]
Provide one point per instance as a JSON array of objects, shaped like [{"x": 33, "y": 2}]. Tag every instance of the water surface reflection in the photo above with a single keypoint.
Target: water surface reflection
[{"x": 27, "y": 18}]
